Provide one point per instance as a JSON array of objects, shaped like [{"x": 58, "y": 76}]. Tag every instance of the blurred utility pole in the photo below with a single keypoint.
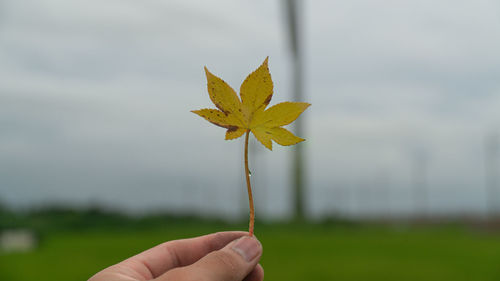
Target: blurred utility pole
[
  {"x": 293, "y": 22},
  {"x": 492, "y": 151}
]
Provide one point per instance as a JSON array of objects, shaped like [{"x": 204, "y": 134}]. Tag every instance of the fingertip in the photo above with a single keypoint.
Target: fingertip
[
  {"x": 248, "y": 247},
  {"x": 220, "y": 239},
  {"x": 257, "y": 274}
]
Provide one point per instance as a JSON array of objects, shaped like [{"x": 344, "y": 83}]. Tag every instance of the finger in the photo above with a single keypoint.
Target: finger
[
  {"x": 232, "y": 263},
  {"x": 257, "y": 274},
  {"x": 157, "y": 260}
]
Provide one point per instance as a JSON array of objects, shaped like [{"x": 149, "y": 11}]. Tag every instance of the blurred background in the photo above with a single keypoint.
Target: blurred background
[{"x": 399, "y": 176}]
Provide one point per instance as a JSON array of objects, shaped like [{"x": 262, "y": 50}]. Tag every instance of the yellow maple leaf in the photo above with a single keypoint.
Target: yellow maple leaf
[{"x": 250, "y": 114}]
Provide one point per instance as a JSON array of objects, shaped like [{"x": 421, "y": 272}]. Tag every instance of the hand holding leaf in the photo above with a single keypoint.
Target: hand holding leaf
[{"x": 250, "y": 114}]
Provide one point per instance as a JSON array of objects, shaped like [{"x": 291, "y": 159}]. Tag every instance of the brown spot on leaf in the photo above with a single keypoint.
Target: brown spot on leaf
[
  {"x": 268, "y": 99},
  {"x": 220, "y": 108},
  {"x": 218, "y": 124},
  {"x": 230, "y": 128}
]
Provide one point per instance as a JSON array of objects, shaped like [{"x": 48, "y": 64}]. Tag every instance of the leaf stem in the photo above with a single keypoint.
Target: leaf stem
[{"x": 249, "y": 187}]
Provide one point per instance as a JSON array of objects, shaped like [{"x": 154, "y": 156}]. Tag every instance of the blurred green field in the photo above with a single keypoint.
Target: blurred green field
[{"x": 296, "y": 251}]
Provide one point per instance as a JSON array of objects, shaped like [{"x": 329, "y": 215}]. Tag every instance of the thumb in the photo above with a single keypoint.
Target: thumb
[{"x": 231, "y": 263}]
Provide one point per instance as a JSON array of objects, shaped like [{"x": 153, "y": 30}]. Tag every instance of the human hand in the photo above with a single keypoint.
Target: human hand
[{"x": 222, "y": 256}]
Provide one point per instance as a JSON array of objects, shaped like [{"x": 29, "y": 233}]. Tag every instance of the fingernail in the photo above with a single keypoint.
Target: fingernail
[{"x": 247, "y": 247}]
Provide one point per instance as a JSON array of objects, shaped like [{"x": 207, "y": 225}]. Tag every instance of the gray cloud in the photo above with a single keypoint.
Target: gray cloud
[{"x": 95, "y": 99}]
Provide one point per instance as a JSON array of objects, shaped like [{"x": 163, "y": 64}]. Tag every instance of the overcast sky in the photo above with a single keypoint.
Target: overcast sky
[{"x": 95, "y": 99}]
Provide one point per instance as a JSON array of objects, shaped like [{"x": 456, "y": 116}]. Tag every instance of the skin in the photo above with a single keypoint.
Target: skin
[{"x": 205, "y": 258}]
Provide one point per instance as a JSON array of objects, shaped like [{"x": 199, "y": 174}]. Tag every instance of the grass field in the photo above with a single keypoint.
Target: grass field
[{"x": 295, "y": 251}]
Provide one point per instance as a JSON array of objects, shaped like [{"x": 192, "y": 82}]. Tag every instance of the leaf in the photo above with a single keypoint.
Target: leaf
[
  {"x": 223, "y": 96},
  {"x": 234, "y": 133},
  {"x": 284, "y": 137},
  {"x": 279, "y": 115},
  {"x": 218, "y": 118},
  {"x": 257, "y": 89},
  {"x": 250, "y": 114},
  {"x": 263, "y": 135}
]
